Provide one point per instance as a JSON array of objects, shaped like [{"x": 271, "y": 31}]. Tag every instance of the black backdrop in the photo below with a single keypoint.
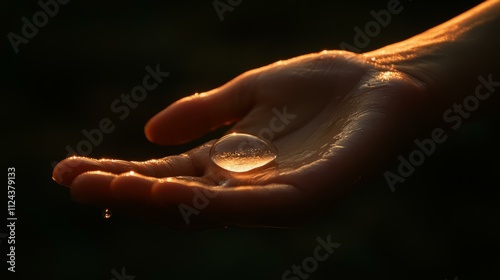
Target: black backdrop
[{"x": 441, "y": 223}]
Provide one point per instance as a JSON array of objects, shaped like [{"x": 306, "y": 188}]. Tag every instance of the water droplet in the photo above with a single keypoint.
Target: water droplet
[
  {"x": 241, "y": 152},
  {"x": 106, "y": 213}
]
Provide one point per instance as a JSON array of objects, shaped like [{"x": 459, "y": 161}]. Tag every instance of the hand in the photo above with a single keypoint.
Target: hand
[{"x": 332, "y": 116}]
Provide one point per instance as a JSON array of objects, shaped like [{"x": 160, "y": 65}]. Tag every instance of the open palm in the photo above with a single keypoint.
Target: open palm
[{"x": 333, "y": 117}]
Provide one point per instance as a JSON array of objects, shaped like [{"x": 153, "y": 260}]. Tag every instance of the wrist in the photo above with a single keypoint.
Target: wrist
[{"x": 448, "y": 59}]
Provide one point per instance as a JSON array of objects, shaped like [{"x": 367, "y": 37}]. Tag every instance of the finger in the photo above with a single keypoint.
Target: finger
[
  {"x": 66, "y": 171},
  {"x": 104, "y": 188},
  {"x": 131, "y": 194},
  {"x": 125, "y": 193},
  {"x": 190, "y": 203},
  {"x": 193, "y": 116},
  {"x": 92, "y": 188}
]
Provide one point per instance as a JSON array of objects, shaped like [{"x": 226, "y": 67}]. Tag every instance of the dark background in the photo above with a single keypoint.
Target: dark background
[{"x": 441, "y": 223}]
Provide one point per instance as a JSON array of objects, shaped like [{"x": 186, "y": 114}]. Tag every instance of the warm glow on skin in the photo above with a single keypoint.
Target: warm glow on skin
[
  {"x": 351, "y": 113},
  {"x": 465, "y": 45}
]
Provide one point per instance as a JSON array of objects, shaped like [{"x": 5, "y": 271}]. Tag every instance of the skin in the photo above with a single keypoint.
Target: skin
[{"x": 351, "y": 112}]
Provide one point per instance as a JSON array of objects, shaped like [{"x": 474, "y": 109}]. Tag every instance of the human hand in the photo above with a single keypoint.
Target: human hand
[{"x": 331, "y": 115}]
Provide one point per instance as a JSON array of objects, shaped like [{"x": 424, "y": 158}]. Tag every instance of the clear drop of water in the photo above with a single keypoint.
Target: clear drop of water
[
  {"x": 106, "y": 213},
  {"x": 241, "y": 152}
]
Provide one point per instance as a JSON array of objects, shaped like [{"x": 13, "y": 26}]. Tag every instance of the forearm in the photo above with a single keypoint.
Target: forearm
[{"x": 448, "y": 59}]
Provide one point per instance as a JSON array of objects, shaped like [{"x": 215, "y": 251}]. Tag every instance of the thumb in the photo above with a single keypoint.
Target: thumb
[{"x": 195, "y": 115}]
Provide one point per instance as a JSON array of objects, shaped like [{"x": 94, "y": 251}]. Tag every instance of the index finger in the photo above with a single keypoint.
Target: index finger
[{"x": 68, "y": 169}]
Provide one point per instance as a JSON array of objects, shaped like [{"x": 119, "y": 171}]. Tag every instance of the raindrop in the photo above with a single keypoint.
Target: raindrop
[
  {"x": 106, "y": 213},
  {"x": 240, "y": 152}
]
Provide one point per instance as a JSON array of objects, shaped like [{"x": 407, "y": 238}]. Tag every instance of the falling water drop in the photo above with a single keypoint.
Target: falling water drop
[
  {"x": 240, "y": 152},
  {"x": 106, "y": 213}
]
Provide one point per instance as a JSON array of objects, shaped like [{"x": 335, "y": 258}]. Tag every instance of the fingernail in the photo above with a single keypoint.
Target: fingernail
[
  {"x": 62, "y": 173},
  {"x": 56, "y": 176}
]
